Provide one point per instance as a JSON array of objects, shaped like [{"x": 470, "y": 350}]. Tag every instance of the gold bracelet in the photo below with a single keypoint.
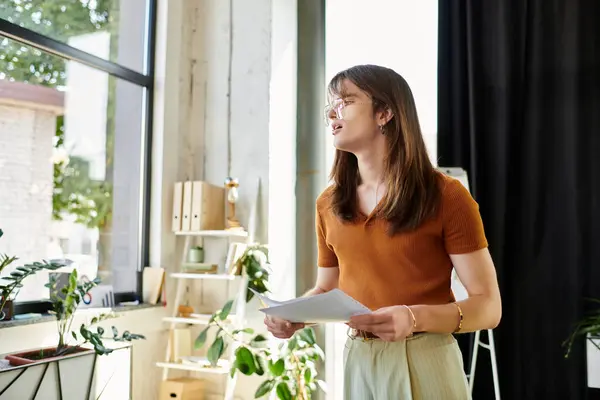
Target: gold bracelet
[
  {"x": 460, "y": 320},
  {"x": 413, "y": 317}
]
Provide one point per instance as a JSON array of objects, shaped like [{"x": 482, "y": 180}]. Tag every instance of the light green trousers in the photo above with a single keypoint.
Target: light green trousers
[{"x": 424, "y": 367}]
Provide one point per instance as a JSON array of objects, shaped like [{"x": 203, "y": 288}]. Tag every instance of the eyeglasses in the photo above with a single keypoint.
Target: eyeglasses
[{"x": 338, "y": 107}]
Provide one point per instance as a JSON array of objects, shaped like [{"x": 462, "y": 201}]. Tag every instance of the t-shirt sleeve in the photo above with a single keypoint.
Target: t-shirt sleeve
[
  {"x": 462, "y": 225},
  {"x": 326, "y": 257}
]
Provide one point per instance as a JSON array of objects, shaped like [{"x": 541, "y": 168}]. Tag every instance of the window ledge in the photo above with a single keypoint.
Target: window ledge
[{"x": 50, "y": 318}]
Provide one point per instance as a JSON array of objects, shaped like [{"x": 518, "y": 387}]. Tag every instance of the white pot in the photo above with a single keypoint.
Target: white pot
[
  {"x": 593, "y": 363},
  {"x": 79, "y": 376}
]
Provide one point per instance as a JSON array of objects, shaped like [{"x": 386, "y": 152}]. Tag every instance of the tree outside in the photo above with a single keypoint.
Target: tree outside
[{"x": 75, "y": 194}]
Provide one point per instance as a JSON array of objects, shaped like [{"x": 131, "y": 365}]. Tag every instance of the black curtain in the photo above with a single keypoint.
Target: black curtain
[{"x": 519, "y": 109}]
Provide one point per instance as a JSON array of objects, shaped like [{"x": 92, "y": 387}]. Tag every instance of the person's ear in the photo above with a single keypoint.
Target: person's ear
[{"x": 384, "y": 116}]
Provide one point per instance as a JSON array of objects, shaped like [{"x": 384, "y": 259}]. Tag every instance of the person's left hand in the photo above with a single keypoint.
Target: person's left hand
[{"x": 389, "y": 323}]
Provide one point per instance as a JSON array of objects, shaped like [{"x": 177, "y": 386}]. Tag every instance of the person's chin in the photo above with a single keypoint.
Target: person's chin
[{"x": 343, "y": 145}]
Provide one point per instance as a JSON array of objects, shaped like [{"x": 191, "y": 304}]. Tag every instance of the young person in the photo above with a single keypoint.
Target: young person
[{"x": 390, "y": 229}]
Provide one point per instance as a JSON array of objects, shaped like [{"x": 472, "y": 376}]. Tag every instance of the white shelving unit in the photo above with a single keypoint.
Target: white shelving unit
[{"x": 237, "y": 316}]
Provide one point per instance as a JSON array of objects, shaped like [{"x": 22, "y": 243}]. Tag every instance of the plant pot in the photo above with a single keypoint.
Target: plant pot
[
  {"x": 196, "y": 255},
  {"x": 8, "y": 310},
  {"x": 593, "y": 361},
  {"x": 82, "y": 375},
  {"x": 42, "y": 355}
]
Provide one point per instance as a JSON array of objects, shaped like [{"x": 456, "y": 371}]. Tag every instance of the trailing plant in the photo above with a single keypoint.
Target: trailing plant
[
  {"x": 65, "y": 303},
  {"x": 590, "y": 325},
  {"x": 289, "y": 369},
  {"x": 14, "y": 281}
]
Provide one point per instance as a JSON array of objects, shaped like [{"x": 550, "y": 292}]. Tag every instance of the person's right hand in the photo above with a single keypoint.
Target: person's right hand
[{"x": 281, "y": 328}]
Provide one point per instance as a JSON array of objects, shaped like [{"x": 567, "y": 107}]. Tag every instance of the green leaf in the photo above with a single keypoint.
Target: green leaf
[
  {"x": 260, "y": 364},
  {"x": 84, "y": 332},
  {"x": 244, "y": 361},
  {"x": 307, "y": 374},
  {"x": 283, "y": 391},
  {"x": 226, "y": 310},
  {"x": 258, "y": 341},
  {"x": 277, "y": 367},
  {"x": 115, "y": 332},
  {"x": 293, "y": 343},
  {"x": 100, "y": 331},
  {"x": 74, "y": 335},
  {"x": 16, "y": 274},
  {"x": 247, "y": 330},
  {"x": 215, "y": 351},
  {"x": 201, "y": 339},
  {"x": 264, "y": 388},
  {"x": 308, "y": 335},
  {"x": 73, "y": 279}
]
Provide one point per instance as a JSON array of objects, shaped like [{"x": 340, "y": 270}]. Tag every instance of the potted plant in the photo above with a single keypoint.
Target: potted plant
[
  {"x": 589, "y": 327},
  {"x": 64, "y": 304},
  {"x": 196, "y": 254},
  {"x": 290, "y": 370},
  {"x": 14, "y": 281}
]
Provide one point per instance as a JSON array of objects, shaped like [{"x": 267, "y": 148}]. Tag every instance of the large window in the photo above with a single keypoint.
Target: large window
[{"x": 75, "y": 107}]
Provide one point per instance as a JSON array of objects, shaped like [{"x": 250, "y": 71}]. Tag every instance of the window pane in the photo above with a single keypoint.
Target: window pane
[
  {"x": 110, "y": 29},
  {"x": 70, "y": 152}
]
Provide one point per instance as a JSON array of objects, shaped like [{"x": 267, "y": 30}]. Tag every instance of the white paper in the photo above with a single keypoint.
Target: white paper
[{"x": 332, "y": 306}]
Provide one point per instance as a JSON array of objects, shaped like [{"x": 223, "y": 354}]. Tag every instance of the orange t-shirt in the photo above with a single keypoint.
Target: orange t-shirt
[{"x": 407, "y": 268}]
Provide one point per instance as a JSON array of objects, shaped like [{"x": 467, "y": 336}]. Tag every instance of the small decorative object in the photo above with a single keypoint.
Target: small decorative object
[
  {"x": 232, "y": 197},
  {"x": 196, "y": 255},
  {"x": 185, "y": 311}
]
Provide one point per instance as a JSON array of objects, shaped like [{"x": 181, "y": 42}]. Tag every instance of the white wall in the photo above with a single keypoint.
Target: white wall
[{"x": 216, "y": 79}]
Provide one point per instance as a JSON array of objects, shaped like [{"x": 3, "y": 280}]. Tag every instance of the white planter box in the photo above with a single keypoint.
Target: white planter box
[
  {"x": 77, "y": 377},
  {"x": 593, "y": 363}
]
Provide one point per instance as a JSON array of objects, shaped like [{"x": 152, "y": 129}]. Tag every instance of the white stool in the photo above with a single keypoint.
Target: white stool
[{"x": 477, "y": 343}]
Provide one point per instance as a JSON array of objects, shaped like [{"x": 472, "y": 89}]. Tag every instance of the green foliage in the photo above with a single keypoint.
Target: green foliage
[
  {"x": 14, "y": 281},
  {"x": 290, "y": 370},
  {"x": 590, "y": 325},
  {"x": 253, "y": 263},
  {"x": 64, "y": 304},
  {"x": 58, "y": 19}
]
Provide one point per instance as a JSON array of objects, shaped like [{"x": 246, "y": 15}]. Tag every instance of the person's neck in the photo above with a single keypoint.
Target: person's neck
[{"x": 370, "y": 167}]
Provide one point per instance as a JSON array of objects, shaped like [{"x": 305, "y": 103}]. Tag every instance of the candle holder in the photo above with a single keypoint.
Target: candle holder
[{"x": 232, "y": 185}]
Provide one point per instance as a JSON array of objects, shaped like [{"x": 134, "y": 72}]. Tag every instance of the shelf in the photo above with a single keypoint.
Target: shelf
[
  {"x": 220, "y": 277},
  {"x": 221, "y": 234},
  {"x": 199, "y": 319},
  {"x": 221, "y": 369}
]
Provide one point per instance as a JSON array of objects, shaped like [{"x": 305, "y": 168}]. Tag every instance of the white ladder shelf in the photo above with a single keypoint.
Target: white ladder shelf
[{"x": 236, "y": 318}]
